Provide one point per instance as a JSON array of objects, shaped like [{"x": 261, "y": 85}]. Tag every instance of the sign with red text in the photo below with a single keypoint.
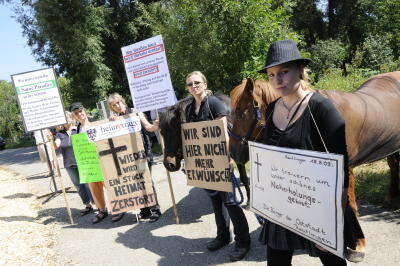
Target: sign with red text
[
  {"x": 39, "y": 99},
  {"x": 300, "y": 190},
  {"x": 148, "y": 75},
  {"x": 206, "y": 155},
  {"x": 127, "y": 178}
]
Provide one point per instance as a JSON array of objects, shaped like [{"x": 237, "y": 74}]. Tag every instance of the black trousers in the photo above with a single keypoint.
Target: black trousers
[
  {"x": 236, "y": 214},
  {"x": 277, "y": 257}
]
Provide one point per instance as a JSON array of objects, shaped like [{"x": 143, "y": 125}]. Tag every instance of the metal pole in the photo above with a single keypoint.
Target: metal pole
[{"x": 168, "y": 176}]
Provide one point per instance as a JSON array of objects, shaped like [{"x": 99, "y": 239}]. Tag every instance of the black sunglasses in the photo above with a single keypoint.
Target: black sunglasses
[{"x": 195, "y": 83}]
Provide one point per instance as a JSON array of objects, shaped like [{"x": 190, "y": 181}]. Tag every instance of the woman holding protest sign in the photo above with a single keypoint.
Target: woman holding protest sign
[
  {"x": 96, "y": 188},
  {"x": 118, "y": 105},
  {"x": 63, "y": 141},
  {"x": 301, "y": 119},
  {"x": 205, "y": 107}
]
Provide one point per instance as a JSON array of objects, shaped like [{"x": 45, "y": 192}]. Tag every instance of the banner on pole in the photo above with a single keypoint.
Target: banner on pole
[
  {"x": 39, "y": 99},
  {"x": 300, "y": 190},
  {"x": 206, "y": 155},
  {"x": 105, "y": 129},
  {"x": 148, "y": 75},
  {"x": 87, "y": 159}
]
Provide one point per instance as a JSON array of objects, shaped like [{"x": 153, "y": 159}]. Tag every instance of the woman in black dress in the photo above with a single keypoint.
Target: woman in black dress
[{"x": 304, "y": 120}]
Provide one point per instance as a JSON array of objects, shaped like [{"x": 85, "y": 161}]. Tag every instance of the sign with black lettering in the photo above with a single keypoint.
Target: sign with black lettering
[
  {"x": 127, "y": 177},
  {"x": 205, "y": 151},
  {"x": 39, "y": 99},
  {"x": 300, "y": 190}
]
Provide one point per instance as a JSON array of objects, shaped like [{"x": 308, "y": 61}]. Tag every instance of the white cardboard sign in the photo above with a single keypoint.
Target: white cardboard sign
[
  {"x": 148, "y": 75},
  {"x": 39, "y": 99},
  {"x": 110, "y": 129},
  {"x": 299, "y": 190}
]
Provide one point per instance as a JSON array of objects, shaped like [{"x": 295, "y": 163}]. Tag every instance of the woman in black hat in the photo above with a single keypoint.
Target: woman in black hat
[{"x": 305, "y": 120}]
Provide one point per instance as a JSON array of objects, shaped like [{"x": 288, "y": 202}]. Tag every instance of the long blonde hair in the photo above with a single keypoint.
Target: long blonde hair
[{"x": 114, "y": 98}]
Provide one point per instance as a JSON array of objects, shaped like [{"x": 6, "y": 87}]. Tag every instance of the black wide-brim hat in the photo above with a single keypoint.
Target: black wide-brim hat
[{"x": 281, "y": 52}]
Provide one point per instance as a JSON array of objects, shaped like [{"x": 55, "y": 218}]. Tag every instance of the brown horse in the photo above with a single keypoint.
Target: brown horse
[{"x": 372, "y": 115}]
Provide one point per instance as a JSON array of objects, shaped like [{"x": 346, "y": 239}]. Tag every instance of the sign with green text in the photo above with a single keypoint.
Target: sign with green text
[
  {"x": 39, "y": 99},
  {"x": 87, "y": 159}
]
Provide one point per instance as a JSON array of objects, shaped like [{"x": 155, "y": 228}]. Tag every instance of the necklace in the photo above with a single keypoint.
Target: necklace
[{"x": 289, "y": 109}]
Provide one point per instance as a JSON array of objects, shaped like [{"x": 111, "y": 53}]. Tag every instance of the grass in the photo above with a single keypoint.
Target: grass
[
  {"x": 372, "y": 182},
  {"x": 21, "y": 144}
]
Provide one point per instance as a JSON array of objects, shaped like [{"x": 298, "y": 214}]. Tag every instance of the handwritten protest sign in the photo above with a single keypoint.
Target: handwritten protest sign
[
  {"x": 299, "y": 190},
  {"x": 148, "y": 75},
  {"x": 39, "y": 99},
  {"x": 86, "y": 158},
  {"x": 124, "y": 165},
  {"x": 206, "y": 155}
]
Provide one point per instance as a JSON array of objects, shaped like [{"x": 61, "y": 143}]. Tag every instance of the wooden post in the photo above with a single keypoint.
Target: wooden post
[
  {"x": 57, "y": 166},
  {"x": 168, "y": 175}
]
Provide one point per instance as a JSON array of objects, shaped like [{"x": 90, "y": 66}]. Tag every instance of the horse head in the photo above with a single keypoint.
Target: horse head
[
  {"x": 249, "y": 101},
  {"x": 170, "y": 129}
]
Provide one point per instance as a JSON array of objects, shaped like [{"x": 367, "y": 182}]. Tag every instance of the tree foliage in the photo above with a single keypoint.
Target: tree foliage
[
  {"x": 225, "y": 39},
  {"x": 10, "y": 120},
  {"x": 82, "y": 39}
]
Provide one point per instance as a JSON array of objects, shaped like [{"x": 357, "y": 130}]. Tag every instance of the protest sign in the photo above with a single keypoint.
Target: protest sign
[
  {"x": 299, "y": 190},
  {"x": 39, "y": 99},
  {"x": 206, "y": 154},
  {"x": 87, "y": 159},
  {"x": 148, "y": 75},
  {"x": 128, "y": 181}
]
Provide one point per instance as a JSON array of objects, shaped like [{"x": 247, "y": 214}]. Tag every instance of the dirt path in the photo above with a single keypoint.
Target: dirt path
[
  {"x": 24, "y": 239},
  {"x": 32, "y": 233}
]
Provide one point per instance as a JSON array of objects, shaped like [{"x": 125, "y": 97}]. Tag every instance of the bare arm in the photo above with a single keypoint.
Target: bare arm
[{"x": 146, "y": 124}]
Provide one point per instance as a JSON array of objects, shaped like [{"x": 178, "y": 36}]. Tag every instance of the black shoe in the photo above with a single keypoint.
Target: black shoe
[
  {"x": 85, "y": 211},
  {"x": 155, "y": 215},
  {"x": 239, "y": 252},
  {"x": 145, "y": 213},
  {"x": 116, "y": 217},
  {"x": 216, "y": 244},
  {"x": 100, "y": 216}
]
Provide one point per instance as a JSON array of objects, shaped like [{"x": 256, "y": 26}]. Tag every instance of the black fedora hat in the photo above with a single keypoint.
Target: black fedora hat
[{"x": 281, "y": 52}]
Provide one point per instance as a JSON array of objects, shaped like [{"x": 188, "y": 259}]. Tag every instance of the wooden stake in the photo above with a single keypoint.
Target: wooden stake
[
  {"x": 168, "y": 175},
  {"x": 57, "y": 166}
]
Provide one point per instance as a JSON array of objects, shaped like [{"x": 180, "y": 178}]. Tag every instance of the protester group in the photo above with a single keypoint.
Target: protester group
[{"x": 299, "y": 119}]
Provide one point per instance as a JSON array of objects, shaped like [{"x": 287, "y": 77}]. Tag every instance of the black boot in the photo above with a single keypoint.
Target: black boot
[
  {"x": 216, "y": 244},
  {"x": 239, "y": 251}
]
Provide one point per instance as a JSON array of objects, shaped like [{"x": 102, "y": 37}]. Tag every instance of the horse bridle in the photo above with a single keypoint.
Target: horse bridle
[{"x": 257, "y": 116}]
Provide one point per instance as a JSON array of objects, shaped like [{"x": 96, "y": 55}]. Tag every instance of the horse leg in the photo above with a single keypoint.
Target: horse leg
[
  {"x": 245, "y": 180},
  {"x": 351, "y": 192},
  {"x": 394, "y": 164}
]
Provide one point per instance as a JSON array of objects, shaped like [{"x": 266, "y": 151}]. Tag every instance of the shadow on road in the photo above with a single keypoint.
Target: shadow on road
[{"x": 376, "y": 213}]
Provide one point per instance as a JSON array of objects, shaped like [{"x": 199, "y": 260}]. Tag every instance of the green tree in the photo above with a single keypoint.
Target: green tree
[
  {"x": 327, "y": 55},
  {"x": 226, "y": 39},
  {"x": 377, "y": 52},
  {"x": 82, "y": 40},
  {"x": 10, "y": 119}
]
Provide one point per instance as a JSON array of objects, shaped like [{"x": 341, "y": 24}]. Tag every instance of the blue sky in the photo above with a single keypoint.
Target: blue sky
[{"x": 15, "y": 54}]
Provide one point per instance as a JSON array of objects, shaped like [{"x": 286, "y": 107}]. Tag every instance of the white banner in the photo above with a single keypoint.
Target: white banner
[
  {"x": 148, "y": 75},
  {"x": 39, "y": 99},
  {"x": 299, "y": 190},
  {"x": 111, "y": 129}
]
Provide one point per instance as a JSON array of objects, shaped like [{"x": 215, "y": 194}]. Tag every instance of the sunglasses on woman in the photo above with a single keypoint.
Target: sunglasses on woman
[{"x": 196, "y": 83}]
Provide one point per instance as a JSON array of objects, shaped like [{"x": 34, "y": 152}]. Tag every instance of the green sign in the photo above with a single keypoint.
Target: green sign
[{"x": 87, "y": 159}]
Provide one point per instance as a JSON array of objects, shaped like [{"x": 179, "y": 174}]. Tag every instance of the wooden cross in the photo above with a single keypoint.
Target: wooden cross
[
  {"x": 113, "y": 150},
  {"x": 258, "y": 164}
]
